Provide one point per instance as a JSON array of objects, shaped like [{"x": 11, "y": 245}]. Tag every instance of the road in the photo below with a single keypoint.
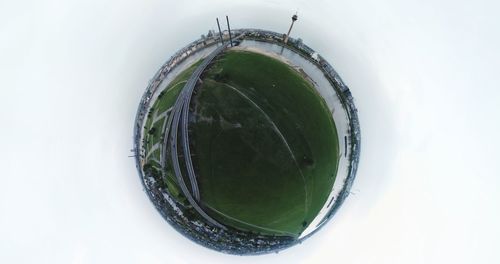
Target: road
[{"x": 179, "y": 120}]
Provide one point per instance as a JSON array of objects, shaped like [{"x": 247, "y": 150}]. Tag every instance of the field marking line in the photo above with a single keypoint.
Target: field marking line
[
  {"x": 306, "y": 209},
  {"x": 245, "y": 223}
]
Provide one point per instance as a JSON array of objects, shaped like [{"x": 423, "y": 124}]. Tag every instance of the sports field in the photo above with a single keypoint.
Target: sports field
[{"x": 264, "y": 145}]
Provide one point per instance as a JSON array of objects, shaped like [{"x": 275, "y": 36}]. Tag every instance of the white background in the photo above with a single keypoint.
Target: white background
[{"x": 425, "y": 76}]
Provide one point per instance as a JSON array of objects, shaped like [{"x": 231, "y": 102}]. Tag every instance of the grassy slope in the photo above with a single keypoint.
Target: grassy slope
[{"x": 245, "y": 169}]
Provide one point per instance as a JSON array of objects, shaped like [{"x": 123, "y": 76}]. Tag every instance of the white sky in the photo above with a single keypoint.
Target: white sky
[{"x": 424, "y": 75}]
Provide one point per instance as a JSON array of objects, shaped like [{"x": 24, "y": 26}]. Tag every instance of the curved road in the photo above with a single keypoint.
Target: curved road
[{"x": 179, "y": 119}]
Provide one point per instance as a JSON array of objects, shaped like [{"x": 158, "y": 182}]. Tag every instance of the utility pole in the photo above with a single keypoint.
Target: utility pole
[
  {"x": 229, "y": 29},
  {"x": 220, "y": 32}
]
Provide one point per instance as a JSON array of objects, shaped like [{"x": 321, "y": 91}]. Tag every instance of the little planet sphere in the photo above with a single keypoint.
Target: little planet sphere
[{"x": 247, "y": 142}]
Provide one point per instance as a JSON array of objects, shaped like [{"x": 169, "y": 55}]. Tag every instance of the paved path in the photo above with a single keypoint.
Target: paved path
[
  {"x": 160, "y": 116},
  {"x": 153, "y": 148}
]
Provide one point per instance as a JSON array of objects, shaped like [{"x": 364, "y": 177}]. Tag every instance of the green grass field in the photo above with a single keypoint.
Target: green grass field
[{"x": 264, "y": 143}]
